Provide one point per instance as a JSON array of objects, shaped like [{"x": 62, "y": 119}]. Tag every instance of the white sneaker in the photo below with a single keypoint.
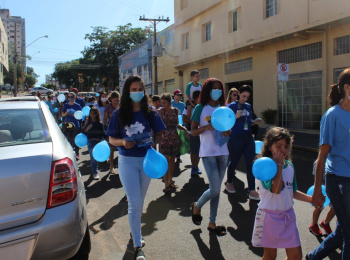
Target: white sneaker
[
  {"x": 229, "y": 187},
  {"x": 96, "y": 176}
]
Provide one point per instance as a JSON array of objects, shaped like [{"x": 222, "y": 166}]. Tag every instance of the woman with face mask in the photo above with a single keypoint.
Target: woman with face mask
[
  {"x": 101, "y": 104},
  {"x": 131, "y": 124},
  {"x": 242, "y": 142},
  {"x": 214, "y": 156},
  {"x": 334, "y": 160}
]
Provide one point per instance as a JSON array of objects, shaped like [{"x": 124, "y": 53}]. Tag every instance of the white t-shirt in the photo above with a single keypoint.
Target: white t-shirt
[
  {"x": 284, "y": 200},
  {"x": 101, "y": 109},
  {"x": 202, "y": 115}
]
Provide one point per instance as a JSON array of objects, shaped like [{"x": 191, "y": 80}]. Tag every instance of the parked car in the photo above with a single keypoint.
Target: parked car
[
  {"x": 42, "y": 202},
  {"x": 41, "y": 90}
]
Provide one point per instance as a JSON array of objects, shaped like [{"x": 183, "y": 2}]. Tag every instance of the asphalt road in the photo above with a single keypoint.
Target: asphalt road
[{"x": 166, "y": 222}]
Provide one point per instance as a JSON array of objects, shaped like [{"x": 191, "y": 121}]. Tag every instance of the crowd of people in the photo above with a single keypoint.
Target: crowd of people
[{"x": 128, "y": 119}]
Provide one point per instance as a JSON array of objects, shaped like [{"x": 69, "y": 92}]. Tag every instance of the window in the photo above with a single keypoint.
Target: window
[
  {"x": 204, "y": 74},
  {"x": 234, "y": 18},
  {"x": 337, "y": 74},
  {"x": 302, "y": 101},
  {"x": 271, "y": 8},
  {"x": 239, "y": 66},
  {"x": 183, "y": 4},
  {"x": 206, "y": 32},
  {"x": 185, "y": 43},
  {"x": 342, "y": 45},
  {"x": 303, "y": 53}
]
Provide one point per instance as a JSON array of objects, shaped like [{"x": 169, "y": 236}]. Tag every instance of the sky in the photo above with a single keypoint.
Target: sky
[{"x": 66, "y": 22}]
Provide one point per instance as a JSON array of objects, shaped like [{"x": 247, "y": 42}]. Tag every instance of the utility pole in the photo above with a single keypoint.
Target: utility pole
[
  {"x": 155, "y": 54},
  {"x": 15, "y": 68}
]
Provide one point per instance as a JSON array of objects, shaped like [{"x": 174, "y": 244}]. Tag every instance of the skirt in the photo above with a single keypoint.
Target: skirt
[{"x": 275, "y": 229}]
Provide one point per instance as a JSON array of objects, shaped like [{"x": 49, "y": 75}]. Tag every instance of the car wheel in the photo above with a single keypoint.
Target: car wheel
[
  {"x": 85, "y": 247},
  {"x": 33, "y": 93}
]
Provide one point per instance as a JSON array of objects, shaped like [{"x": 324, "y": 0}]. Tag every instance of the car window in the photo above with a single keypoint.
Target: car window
[{"x": 22, "y": 126}]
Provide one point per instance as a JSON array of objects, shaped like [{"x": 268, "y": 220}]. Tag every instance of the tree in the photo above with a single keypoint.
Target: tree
[
  {"x": 64, "y": 74},
  {"x": 30, "y": 80},
  {"x": 8, "y": 77},
  {"x": 106, "y": 46},
  {"x": 30, "y": 71}
]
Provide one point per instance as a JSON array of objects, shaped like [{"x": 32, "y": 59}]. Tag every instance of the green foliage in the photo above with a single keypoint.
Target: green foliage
[
  {"x": 30, "y": 71},
  {"x": 269, "y": 115},
  {"x": 8, "y": 77},
  {"x": 30, "y": 80},
  {"x": 100, "y": 58}
]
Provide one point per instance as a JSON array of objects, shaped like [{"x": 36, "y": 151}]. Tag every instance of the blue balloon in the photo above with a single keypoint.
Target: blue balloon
[
  {"x": 101, "y": 151},
  {"x": 180, "y": 120},
  {"x": 310, "y": 191},
  {"x": 78, "y": 114},
  {"x": 223, "y": 119},
  {"x": 258, "y": 147},
  {"x": 86, "y": 111},
  {"x": 81, "y": 140},
  {"x": 97, "y": 94},
  {"x": 264, "y": 169},
  {"x": 60, "y": 125},
  {"x": 61, "y": 98},
  {"x": 155, "y": 164},
  {"x": 55, "y": 110}
]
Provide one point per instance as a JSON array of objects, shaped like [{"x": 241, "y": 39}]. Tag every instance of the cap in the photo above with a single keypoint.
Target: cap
[
  {"x": 75, "y": 90},
  {"x": 177, "y": 92}
]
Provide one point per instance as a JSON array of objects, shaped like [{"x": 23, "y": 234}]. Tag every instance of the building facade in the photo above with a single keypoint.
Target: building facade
[
  {"x": 242, "y": 41},
  {"x": 4, "y": 62},
  {"x": 15, "y": 28}
]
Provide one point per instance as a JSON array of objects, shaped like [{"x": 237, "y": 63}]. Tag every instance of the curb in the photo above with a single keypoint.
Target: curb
[{"x": 304, "y": 148}]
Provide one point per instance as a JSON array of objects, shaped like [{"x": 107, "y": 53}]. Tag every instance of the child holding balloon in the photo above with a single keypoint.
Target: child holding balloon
[
  {"x": 275, "y": 223},
  {"x": 93, "y": 129},
  {"x": 133, "y": 120},
  {"x": 214, "y": 156}
]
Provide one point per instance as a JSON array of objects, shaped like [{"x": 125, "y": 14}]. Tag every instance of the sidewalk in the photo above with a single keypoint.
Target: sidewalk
[{"x": 303, "y": 140}]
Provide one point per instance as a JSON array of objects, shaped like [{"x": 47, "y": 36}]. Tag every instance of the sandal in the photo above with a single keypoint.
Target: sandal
[
  {"x": 173, "y": 185},
  {"x": 167, "y": 190},
  {"x": 196, "y": 219},
  {"x": 218, "y": 230}
]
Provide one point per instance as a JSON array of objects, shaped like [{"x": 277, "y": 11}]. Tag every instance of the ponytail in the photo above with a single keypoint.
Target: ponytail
[{"x": 337, "y": 92}]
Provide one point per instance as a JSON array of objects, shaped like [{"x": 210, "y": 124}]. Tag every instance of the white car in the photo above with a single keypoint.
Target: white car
[{"x": 41, "y": 90}]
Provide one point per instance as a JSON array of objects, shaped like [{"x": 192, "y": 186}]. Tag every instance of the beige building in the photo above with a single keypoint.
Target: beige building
[
  {"x": 4, "y": 62},
  {"x": 15, "y": 28},
  {"x": 242, "y": 42}
]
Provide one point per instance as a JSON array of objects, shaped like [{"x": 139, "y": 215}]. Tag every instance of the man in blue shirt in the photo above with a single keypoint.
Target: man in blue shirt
[
  {"x": 78, "y": 100},
  {"x": 68, "y": 111},
  {"x": 177, "y": 101}
]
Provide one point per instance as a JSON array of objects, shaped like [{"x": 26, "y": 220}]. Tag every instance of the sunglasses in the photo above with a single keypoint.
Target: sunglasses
[
  {"x": 71, "y": 96},
  {"x": 179, "y": 95}
]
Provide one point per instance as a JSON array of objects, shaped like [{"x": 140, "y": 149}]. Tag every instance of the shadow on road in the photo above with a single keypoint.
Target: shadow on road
[
  {"x": 158, "y": 209},
  {"x": 107, "y": 220},
  {"x": 243, "y": 218},
  {"x": 214, "y": 249}
]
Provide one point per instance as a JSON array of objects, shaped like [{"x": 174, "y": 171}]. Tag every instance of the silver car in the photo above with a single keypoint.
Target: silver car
[
  {"x": 41, "y": 90},
  {"x": 42, "y": 202}
]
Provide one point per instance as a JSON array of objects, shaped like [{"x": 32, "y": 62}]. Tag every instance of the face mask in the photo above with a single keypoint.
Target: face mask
[
  {"x": 137, "y": 96},
  {"x": 104, "y": 99},
  {"x": 215, "y": 94},
  {"x": 71, "y": 100}
]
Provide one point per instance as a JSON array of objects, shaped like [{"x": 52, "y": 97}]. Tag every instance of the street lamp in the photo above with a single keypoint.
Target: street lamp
[{"x": 45, "y": 36}]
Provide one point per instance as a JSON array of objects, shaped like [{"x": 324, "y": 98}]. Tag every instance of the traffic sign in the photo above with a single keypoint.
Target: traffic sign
[{"x": 283, "y": 71}]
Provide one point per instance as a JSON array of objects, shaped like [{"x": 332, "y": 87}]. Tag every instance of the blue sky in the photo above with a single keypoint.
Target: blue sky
[{"x": 67, "y": 21}]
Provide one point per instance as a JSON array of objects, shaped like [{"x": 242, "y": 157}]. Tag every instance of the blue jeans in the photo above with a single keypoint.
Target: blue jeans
[
  {"x": 338, "y": 191},
  {"x": 135, "y": 183},
  {"x": 238, "y": 144},
  {"x": 94, "y": 163},
  {"x": 215, "y": 168}
]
